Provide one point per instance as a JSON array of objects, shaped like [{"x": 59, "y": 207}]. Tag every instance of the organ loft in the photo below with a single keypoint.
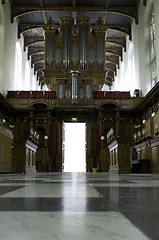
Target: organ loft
[{"x": 74, "y": 58}]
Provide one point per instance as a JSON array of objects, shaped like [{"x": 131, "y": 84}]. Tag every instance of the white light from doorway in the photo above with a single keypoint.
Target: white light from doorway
[{"x": 75, "y": 155}]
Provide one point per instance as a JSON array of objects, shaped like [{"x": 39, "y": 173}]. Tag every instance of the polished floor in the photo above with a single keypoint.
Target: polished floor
[{"x": 87, "y": 206}]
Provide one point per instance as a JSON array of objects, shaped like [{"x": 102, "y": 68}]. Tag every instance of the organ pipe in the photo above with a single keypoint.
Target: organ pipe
[
  {"x": 66, "y": 49},
  {"x": 83, "y": 53},
  {"x": 74, "y": 87},
  {"x": 49, "y": 51}
]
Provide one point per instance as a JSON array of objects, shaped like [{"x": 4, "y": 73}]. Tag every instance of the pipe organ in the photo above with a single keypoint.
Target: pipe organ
[{"x": 74, "y": 58}]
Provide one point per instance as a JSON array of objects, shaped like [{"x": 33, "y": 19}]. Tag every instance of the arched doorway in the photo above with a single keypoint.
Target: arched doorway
[{"x": 74, "y": 147}]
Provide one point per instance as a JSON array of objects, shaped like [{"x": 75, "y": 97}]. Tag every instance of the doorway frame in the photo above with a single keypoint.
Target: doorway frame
[{"x": 63, "y": 142}]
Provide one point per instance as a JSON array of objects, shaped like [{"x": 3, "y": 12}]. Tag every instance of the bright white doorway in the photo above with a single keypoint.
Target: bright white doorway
[{"x": 74, "y": 147}]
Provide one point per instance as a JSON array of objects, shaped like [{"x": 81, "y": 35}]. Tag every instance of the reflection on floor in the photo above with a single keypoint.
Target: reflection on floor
[{"x": 85, "y": 206}]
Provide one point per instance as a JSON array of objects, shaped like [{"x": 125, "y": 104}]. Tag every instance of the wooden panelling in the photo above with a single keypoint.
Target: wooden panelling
[{"x": 5, "y": 150}]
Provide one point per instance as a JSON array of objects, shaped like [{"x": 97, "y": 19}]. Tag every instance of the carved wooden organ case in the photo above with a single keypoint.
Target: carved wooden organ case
[{"x": 74, "y": 58}]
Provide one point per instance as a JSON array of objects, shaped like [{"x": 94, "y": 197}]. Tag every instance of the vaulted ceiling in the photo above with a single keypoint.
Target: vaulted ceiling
[{"x": 118, "y": 16}]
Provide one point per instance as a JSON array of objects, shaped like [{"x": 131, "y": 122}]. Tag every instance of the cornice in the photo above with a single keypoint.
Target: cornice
[
  {"x": 149, "y": 100},
  {"x": 19, "y": 10}
]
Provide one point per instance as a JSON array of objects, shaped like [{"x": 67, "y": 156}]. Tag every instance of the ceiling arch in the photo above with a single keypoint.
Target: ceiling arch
[{"x": 31, "y": 15}]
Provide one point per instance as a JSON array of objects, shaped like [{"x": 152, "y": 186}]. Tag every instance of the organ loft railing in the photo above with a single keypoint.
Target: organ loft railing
[{"x": 74, "y": 58}]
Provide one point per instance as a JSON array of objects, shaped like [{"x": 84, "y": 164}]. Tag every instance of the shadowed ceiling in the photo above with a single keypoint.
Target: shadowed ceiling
[{"x": 118, "y": 16}]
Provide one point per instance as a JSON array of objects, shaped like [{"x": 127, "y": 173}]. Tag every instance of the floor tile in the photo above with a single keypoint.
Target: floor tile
[
  {"x": 85, "y": 205},
  {"x": 74, "y": 225}
]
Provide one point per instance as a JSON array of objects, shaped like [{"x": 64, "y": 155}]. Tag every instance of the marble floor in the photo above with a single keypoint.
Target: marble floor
[{"x": 87, "y": 206}]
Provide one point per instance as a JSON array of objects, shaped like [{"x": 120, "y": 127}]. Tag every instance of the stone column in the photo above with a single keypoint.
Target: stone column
[
  {"x": 27, "y": 157},
  {"x": 31, "y": 163},
  {"x": 34, "y": 160}
]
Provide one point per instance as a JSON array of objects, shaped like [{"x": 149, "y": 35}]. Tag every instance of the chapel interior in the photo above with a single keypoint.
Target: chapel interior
[
  {"x": 93, "y": 62},
  {"x": 80, "y": 61}
]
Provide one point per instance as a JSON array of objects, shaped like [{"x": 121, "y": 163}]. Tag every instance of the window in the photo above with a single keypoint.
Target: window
[
  {"x": 131, "y": 83},
  {"x": 33, "y": 83},
  {"x": 18, "y": 67},
  {"x": 153, "y": 49},
  {"x": 27, "y": 76}
]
